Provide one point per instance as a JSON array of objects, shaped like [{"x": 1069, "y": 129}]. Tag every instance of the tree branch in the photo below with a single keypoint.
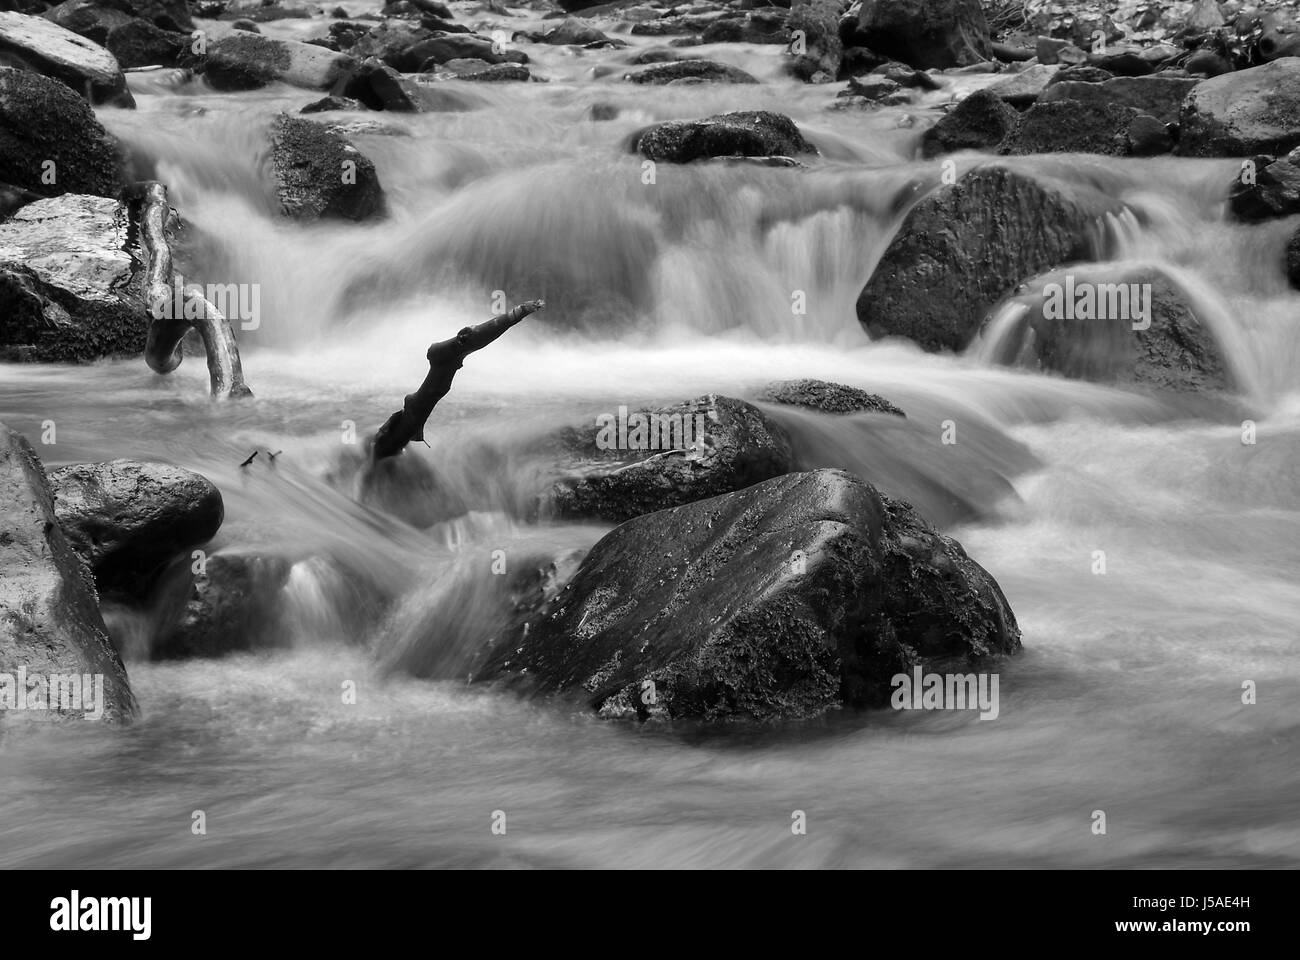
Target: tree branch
[{"x": 445, "y": 358}]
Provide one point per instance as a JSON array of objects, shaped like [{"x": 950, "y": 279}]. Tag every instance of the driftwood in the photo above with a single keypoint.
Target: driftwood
[
  {"x": 163, "y": 345},
  {"x": 445, "y": 358}
]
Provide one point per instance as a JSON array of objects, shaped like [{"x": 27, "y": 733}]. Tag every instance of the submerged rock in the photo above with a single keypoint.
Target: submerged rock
[
  {"x": 320, "y": 175},
  {"x": 247, "y": 61},
  {"x": 234, "y": 604},
  {"x": 128, "y": 518},
  {"x": 42, "y": 118},
  {"x": 44, "y": 47},
  {"x": 49, "y": 613},
  {"x": 965, "y": 247},
  {"x": 747, "y": 133},
  {"x": 626, "y": 464},
  {"x": 704, "y": 70},
  {"x": 69, "y": 290},
  {"x": 827, "y": 397},
  {"x": 794, "y": 596}
]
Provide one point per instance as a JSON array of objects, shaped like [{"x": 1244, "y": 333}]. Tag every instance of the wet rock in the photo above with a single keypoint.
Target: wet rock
[
  {"x": 1121, "y": 63},
  {"x": 965, "y": 247},
  {"x": 1084, "y": 74},
  {"x": 905, "y": 76},
  {"x": 379, "y": 87},
  {"x": 980, "y": 122},
  {"x": 1207, "y": 63},
  {"x": 235, "y": 604},
  {"x": 388, "y": 40},
  {"x": 1048, "y": 49},
  {"x": 44, "y": 47},
  {"x": 1149, "y": 137},
  {"x": 50, "y": 622},
  {"x": 1157, "y": 96},
  {"x": 246, "y": 61},
  {"x": 1068, "y": 126},
  {"x": 69, "y": 291},
  {"x": 13, "y": 199},
  {"x": 88, "y": 18},
  {"x": 261, "y": 12},
  {"x": 794, "y": 596},
  {"x": 171, "y": 15},
  {"x": 310, "y": 164},
  {"x": 656, "y": 55},
  {"x": 1293, "y": 260},
  {"x": 827, "y": 397},
  {"x": 1266, "y": 188},
  {"x": 332, "y": 103},
  {"x": 622, "y": 467},
  {"x": 761, "y": 26},
  {"x": 1127, "y": 330},
  {"x": 1023, "y": 88},
  {"x": 815, "y": 28},
  {"x": 498, "y": 73},
  {"x": 138, "y": 43},
  {"x": 925, "y": 33},
  {"x": 439, "y": 49},
  {"x": 1248, "y": 112},
  {"x": 129, "y": 518},
  {"x": 40, "y": 117},
  {"x": 748, "y": 133},
  {"x": 575, "y": 32},
  {"x": 705, "y": 70}
]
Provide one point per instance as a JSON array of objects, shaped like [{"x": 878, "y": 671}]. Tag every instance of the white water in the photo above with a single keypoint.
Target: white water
[{"x": 1126, "y": 698}]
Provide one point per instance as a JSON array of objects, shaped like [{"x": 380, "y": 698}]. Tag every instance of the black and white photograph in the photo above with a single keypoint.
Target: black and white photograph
[{"x": 652, "y": 435}]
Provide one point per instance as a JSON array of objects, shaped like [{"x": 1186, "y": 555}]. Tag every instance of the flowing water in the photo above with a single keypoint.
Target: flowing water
[{"x": 1127, "y": 698}]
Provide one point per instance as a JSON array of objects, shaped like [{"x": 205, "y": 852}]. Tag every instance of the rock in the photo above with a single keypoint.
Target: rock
[
  {"x": 1280, "y": 37},
  {"x": 69, "y": 290},
  {"x": 379, "y": 87},
  {"x": 1244, "y": 113},
  {"x": 980, "y": 122},
  {"x": 128, "y": 518},
  {"x": 749, "y": 133},
  {"x": 138, "y": 43},
  {"x": 1085, "y": 74},
  {"x": 1207, "y": 63},
  {"x": 573, "y": 31},
  {"x": 498, "y": 73},
  {"x": 964, "y": 248},
  {"x": 656, "y": 55},
  {"x": 814, "y": 26},
  {"x": 1149, "y": 137},
  {"x": 388, "y": 40},
  {"x": 873, "y": 88},
  {"x": 696, "y": 69},
  {"x": 88, "y": 18},
  {"x": 309, "y": 161},
  {"x": 795, "y": 596},
  {"x": 1204, "y": 16},
  {"x": 905, "y": 76},
  {"x": 925, "y": 33},
  {"x": 1058, "y": 331},
  {"x": 44, "y": 47},
  {"x": 827, "y": 397},
  {"x": 13, "y": 199},
  {"x": 1023, "y": 88},
  {"x": 234, "y": 605},
  {"x": 1121, "y": 63},
  {"x": 758, "y": 27},
  {"x": 647, "y": 461},
  {"x": 50, "y": 623},
  {"x": 332, "y": 103},
  {"x": 1266, "y": 188},
  {"x": 1068, "y": 126},
  {"x": 40, "y": 117},
  {"x": 439, "y": 49},
  {"x": 1293, "y": 260},
  {"x": 1157, "y": 96},
  {"x": 1048, "y": 49},
  {"x": 246, "y": 61},
  {"x": 260, "y": 11}
]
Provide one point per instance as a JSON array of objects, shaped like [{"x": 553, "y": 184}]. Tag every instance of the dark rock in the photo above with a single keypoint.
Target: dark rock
[
  {"x": 827, "y": 397},
  {"x": 88, "y": 18},
  {"x": 139, "y": 43},
  {"x": 247, "y": 26},
  {"x": 666, "y": 457},
  {"x": 575, "y": 32},
  {"x": 980, "y": 122},
  {"x": 42, "y": 118},
  {"x": 128, "y": 519},
  {"x": 750, "y": 133},
  {"x": 69, "y": 290},
  {"x": 246, "y": 61},
  {"x": 423, "y": 55},
  {"x": 1084, "y": 74},
  {"x": 379, "y": 87},
  {"x": 755, "y": 28},
  {"x": 387, "y": 40},
  {"x": 926, "y": 33},
  {"x": 1068, "y": 126},
  {"x": 964, "y": 248},
  {"x": 801, "y": 594},
  {"x": 905, "y": 76},
  {"x": 13, "y": 199},
  {"x": 1023, "y": 88},
  {"x": 815, "y": 40},
  {"x": 1122, "y": 63},
  {"x": 50, "y": 622},
  {"x": 1244, "y": 113},
  {"x": 498, "y": 73},
  {"x": 1293, "y": 260},
  {"x": 233, "y": 605},
  {"x": 331, "y": 103},
  {"x": 656, "y": 55},
  {"x": 695, "y": 69},
  {"x": 1149, "y": 137},
  {"x": 1266, "y": 188},
  {"x": 1171, "y": 349},
  {"x": 1207, "y": 63},
  {"x": 1159, "y": 96},
  {"x": 309, "y": 162},
  {"x": 42, "y": 46}
]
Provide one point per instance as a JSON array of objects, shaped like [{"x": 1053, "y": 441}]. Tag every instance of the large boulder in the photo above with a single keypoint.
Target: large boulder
[
  {"x": 42, "y": 120},
  {"x": 1068, "y": 126},
  {"x": 625, "y": 464},
  {"x": 1243, "y": 113},
  {"x": 794, "y": 596},
  {"x": 50, "y": 624},
  {"x": 694, "y": 70},
  {"x": 44, "y": 47},
  {"x": 69, "y": 289},
  {"x": 814, "y": 29},
  {"x": 925, "y": 33},
  {"x": 1090, "y": 324},
  {"x": 319, "y": 174},
  {"x": 1157, "y": 96},
  {"x": 139, "y": 43},
  {"x": 965, "y": 247},
  {"x": 247, "y": 61},
  {"x": 747, "y": 133},
  {"x": 128, "y": 518}
]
